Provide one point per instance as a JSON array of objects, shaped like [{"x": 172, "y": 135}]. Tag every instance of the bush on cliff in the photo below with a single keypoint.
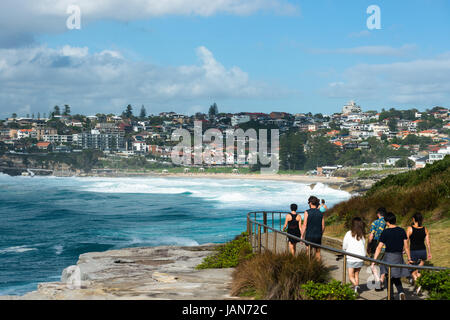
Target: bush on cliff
[
  {"x": 425, "y": 190},
  {"x": 436, "y": 283},
  {"x": 229, "y": 255},
  {"x": 333, "y": 290},
  {"x": 277, "y": 276}
]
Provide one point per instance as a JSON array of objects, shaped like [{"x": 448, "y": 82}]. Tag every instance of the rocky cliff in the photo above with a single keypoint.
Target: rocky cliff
[{"x": 166, "y": 272}]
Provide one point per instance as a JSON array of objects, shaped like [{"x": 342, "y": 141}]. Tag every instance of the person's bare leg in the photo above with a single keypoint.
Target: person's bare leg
[
  {"x": 318, "y": 254},
  {"x": 291, "y": 248},
  {"x": 351, "y": 276},
  {"x": 375, "y": 273},
  {"x": 356, "y": 272}
]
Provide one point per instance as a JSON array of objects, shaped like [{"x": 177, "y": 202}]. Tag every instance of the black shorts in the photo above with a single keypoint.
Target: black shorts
[
  {"x": 418, "y": 255},
  {"x": 294, "y": 233},
  {"x": 316, "y": 240},
  {"x": 372, "y": 247}
]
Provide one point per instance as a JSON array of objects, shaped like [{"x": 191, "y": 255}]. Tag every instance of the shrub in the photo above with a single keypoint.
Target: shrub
[
  {"x": 230, "y": 254},
  {"x": 423, "y": 190},
  {"x": 436, "y": 283},
  {"x": 277, "y": 276},
  {"x": 333, "y": 290}
]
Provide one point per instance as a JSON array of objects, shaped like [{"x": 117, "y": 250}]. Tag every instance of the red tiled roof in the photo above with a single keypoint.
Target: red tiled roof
[{"x": 43, "y": 144}]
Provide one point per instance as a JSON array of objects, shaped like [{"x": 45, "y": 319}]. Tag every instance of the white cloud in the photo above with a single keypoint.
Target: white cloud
[
  {"x": 42, "y": 77},
  {"x": 369, "y": 50},
  {"x": 417, "y": 82},
  {"x": 20, "y": 20}
]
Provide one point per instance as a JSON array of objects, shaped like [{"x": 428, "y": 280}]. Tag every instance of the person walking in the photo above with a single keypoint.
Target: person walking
[
  {"x": 293, "y": 223},
  {"x": 323, "y": 207},
  {"x": 376, "y": 228},
  {"x": 419, "y": 241},
  {"x": 313, "y": 225},
  {"x": 354, "y": 242},
  {"x": 395, "y": 240}
]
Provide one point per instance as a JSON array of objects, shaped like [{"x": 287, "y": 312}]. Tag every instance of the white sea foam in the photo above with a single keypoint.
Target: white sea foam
[
  {"x": 58, "y": 249},
  {"x": 162, "y": 241},
  {"x": 16, "y": 249},
  {"x": 224, "y": 192}
]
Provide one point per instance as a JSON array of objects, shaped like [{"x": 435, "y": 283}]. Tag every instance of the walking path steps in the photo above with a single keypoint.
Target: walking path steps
[{"x": 336, "y": 267}]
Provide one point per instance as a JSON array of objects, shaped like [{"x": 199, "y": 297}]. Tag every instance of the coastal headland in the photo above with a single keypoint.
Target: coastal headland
[{"x": 151, "y": 273}]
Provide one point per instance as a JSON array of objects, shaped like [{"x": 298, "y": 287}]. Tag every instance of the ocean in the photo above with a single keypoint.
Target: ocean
[{"x": 47, "y": 222}]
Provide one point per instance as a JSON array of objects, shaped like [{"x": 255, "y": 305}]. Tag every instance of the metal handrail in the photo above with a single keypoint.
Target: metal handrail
[{"x": 315, "y": 245}]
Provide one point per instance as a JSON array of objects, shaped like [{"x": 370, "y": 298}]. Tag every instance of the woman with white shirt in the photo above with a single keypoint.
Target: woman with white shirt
[{"x": 354, "y": 242}]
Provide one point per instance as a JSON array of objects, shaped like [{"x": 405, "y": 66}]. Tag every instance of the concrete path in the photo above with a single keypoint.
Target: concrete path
[{"x": 268, "y": 241}]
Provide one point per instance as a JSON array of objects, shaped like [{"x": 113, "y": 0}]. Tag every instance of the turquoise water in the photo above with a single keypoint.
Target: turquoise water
[{"x": 47, "y": 222}]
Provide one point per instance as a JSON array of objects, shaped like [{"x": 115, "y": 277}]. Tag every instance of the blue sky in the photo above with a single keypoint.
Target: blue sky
[{"x": 255, "y": 55}]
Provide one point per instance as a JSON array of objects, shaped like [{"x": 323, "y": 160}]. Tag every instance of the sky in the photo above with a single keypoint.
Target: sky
[{"x": 246, "y": 56}]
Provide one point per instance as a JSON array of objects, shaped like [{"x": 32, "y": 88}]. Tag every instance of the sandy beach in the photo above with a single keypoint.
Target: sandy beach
[
  {"x": 202, "y": 175},
  {"x": 276, "y": 177}
]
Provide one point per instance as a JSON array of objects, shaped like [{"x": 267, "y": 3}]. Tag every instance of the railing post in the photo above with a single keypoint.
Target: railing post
[
  {"x": 389, "y": 283},
  {"x": 344, "y": 272},
  {"x": 272, "y": 222},
  {"x": 250, "y": 233},
  {"x": 280, "y": 221},
  {"x": 265, "y": 221},
  {"x": 275, "y": 236},
  {"x": 259, "y": 238},
  {"x": 267, "y": 239}
]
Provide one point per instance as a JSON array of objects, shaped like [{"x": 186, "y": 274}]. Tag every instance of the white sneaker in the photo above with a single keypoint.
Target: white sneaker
[
  {"x": 418, "y": 290},
  {"x": 402, "y": 296}
]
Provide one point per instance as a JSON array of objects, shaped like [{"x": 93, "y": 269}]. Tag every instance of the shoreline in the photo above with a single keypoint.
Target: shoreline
[{"x": 249, "y": 176}]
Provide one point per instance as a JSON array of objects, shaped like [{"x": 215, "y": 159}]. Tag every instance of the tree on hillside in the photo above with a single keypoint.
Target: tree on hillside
[
  {"x": 392, "y": 124},
  {"x": 292, "y": 156},
  {"x": 56, "y": 111},
  {"x": 213, "y": 111},
  {"x": 404, "y": 163},
  {"x": 143, "y": 113},
  {"x": 128, "y": 113},
  {"x": 66, "y": 110},
  {"x": 321, "y": 152}
]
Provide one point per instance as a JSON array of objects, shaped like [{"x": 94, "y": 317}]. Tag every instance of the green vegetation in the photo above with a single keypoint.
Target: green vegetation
[
  {"x": 436, "y": 283},
  {"x": 277, "y": 276},
  {"x": 439, "y": 169},
  {"x": 333, "y": 290},
  {"x": 425, "y": 190},
  {"x": 292, "y": 156},
  {"x": 230, "y": 254}
]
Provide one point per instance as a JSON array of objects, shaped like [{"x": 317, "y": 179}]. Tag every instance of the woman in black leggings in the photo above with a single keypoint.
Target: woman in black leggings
[{"x": 395, "y": 240}]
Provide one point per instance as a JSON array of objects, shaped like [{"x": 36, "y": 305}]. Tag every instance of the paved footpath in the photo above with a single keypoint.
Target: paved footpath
[{"x": 336, "y": 267}]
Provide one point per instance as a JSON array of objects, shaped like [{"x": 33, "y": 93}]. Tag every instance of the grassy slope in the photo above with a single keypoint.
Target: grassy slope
[{"x": 426, "y": 190}]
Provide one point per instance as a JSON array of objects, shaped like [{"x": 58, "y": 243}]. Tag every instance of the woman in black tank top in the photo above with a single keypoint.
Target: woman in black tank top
[
  {"x": 293, "y": 222},
  {"x": 419, "y": 241}
]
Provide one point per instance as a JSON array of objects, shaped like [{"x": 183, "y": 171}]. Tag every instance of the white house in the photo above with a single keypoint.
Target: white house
[
  {"x": 351, "y": 107},
  {"x": 432, "y": 157},
  {"x": 237, "y": 119},
  {"x": 392, "y": 160}
]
